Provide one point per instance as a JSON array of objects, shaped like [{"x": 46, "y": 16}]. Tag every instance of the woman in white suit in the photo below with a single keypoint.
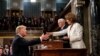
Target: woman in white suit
[{"x": 74, "y": 31}]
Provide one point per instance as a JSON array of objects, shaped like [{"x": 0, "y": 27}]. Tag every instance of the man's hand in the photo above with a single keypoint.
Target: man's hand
[{"x": 44, "y": 37}]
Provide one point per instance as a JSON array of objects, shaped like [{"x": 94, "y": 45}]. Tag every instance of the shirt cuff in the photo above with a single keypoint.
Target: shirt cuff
[{"x": 41, "y": 39}]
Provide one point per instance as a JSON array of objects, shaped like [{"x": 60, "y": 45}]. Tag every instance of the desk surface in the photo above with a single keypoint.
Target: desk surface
[
  {"x": 53, "y": 44},
  {"x": 62, "y": 49}
]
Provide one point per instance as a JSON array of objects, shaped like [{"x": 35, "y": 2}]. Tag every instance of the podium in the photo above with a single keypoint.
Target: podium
[{"x": 55, "y": 48}]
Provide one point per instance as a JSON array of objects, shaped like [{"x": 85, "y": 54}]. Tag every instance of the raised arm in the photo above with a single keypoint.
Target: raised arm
[
  {"x": 23, "y": 42},
  {"x": 34, "y": 41},
  {"x": 58, "y": 33}
]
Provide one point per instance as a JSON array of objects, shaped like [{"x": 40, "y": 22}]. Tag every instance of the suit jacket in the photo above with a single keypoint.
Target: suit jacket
[
  {"x": 20, "y": 46},
  {"x": 65, "y": 42},
  {"x": 75, "y": 34},
  {"x": 60, "y": 37}
]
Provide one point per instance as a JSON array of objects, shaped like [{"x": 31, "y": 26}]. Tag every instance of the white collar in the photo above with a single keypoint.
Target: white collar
[
  {"x": 19, "y": 35},
  {"x": 62, "y": 27}
]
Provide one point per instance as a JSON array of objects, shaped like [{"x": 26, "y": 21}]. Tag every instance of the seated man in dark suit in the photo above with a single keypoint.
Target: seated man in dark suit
[
  {"x": 20, "y": 45},
  {"x": 62, "y": 25}
]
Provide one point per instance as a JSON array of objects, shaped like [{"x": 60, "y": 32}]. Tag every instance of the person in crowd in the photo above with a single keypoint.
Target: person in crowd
[
  {"x": 6, "y": 50},
  {"x": 74, "y": 31},
  {"x": 62, "y": 25},
  {"x": 0, "y": 52},
  {"x": 10, "y": 50},
  {"x": 20, "y": 44}
]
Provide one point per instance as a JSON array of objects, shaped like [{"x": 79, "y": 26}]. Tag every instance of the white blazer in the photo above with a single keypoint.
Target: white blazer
[{"x": 75, "y": 34}]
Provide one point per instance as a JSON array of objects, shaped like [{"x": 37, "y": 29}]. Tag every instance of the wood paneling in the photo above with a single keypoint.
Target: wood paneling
[{"x": 61, "y": 52}]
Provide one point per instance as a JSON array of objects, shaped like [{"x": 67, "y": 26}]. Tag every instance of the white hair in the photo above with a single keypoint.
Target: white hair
[
  {"x": 61, "y": 20},
  {"x": 18, "y": 28}
]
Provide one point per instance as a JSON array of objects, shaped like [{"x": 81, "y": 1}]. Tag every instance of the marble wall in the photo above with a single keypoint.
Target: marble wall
[{"x": 95, "y": 27}]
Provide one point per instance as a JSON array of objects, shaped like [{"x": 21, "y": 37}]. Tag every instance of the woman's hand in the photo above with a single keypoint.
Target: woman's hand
[{"x": 65, "y": 37}]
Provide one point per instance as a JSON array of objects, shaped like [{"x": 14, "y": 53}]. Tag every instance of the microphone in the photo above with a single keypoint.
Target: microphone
[{"x": 44, "y": 31}]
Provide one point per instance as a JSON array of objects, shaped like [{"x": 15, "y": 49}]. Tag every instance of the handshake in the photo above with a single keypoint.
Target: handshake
[{"x": 45, "y": 36}]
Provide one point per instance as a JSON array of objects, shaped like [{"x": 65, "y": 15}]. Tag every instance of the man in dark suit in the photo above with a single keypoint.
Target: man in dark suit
[
  {"x": 20, "y": 45},
  {"x": 62, "y": 25}
]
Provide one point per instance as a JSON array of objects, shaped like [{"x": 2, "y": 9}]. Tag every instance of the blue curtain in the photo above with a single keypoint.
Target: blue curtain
[
  {"x": 2, "y": 8},
  {"x": 32, "y": 9}
]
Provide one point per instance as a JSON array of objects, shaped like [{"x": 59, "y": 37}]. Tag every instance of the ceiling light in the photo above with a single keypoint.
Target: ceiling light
[{"x": 33, "y": 0}]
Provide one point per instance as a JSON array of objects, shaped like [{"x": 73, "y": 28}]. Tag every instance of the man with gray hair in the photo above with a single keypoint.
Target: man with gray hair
[
  {"x": 62, "y": 25},
  {"x": 20, "y": 45}
]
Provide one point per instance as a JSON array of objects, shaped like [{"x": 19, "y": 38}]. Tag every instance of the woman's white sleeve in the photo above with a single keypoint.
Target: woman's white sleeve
[{"x": 58, "y": 33}]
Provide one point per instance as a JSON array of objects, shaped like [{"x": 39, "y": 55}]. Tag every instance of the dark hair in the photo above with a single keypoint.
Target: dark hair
[{"x": 70, "y": 16}]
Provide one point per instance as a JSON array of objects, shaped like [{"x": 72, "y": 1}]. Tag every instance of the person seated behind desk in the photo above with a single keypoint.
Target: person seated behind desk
[{"x": 62, "y": 25}]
